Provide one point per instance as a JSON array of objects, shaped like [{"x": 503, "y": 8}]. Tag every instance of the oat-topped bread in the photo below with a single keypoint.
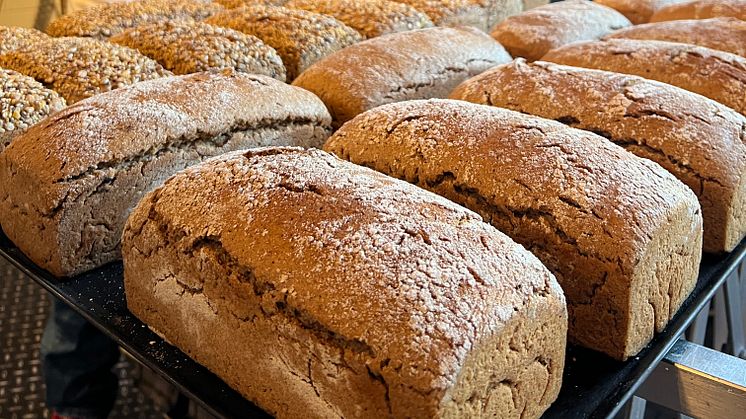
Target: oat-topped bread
[
  {"x": 104, "y": 20},
  {"x": 300, "y": 37},
  {"x": 638, "y": 11},
  {"x": 23, "y": 102},
  {"x": 534, "y": 32},
  {"x": 319, "y": 288},
  {"x": 78, "y": 68},
  {"x": 622, "y": 235},
  {"x": 701, "y": 9},
  {"x": 13, "y": 38},
  {"x": 369, "y": 17},
  {"x": 721, "y": 33},
  {"x": 697, "y": 139},
  {"x": 420, "y": 64},
  {"x": 72, "y": 178},
  {"x": 192, "y": 47},
  {"x": 234, "y": 4},
  {"x": 719, "y": 75},
  {"x": 481, "y": 14}
]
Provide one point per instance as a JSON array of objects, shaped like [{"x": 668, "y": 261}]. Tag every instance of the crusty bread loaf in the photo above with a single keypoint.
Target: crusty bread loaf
[
  {"x": 533, "y": 33},
  {"x": 78, "y": 68},
  {"x": 322, "y": 289},
  {"x": 697, "y": 139},
  {"x": 107, "y": 19},
  {"x": 719, "y": 75},
  {"x": 72, "y": 178},
  {"x": 192, "y": 47},
  {"x": 721, "y": 33},
  {"x": 701, "y": 9},
  {"x": 638, "y": 11},
  {"x": 300, "y": 37},
  {"x": 481, "y": 14},
  {"x": 530, "y": 4},
  {"x": 13, "y": 38},
  {"x": 411, "y": 65}
]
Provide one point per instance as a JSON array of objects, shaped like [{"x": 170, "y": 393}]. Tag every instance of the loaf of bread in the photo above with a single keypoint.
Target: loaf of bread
[
  {"x": 13, "y": 38},
  {"x": 719, "y": 75},
  {"x": 192, "y": 47},
  {"x": 318, "y": 288},
  {"x": 721, "y": 33},
  {"x": 23, "y": 102},
  {"x": 481, "y": 14},
  {"x": 533, "y": 33},
  {"x": 234, "y": 4},
  {"x": 530, "y": 4},
  {"x": 107, "y": 19},
  {"x": 78, "y": 68},
  {"x": 697, "y": 139},
  {"x": 622, "y": 235},
  {"x": 72, "y": 178},
  {"x": 419, "y": 64},
  {"x": 300, "y": 37},
  {"x": 701, "y": 9},
  {"x": 638, "y": 11}
]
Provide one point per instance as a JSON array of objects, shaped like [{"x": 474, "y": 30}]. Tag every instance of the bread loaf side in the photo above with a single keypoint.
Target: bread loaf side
[{"x": 701, "y": 9}]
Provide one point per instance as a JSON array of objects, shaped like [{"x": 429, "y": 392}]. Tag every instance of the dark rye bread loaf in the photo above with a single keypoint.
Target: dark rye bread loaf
[
  {"x": 638, "y": 11},
  {"x": 701, "y": 9},
  {"x": 481, "y": 14},
  {"x": 533, "y": 33},
  {"x": 697, "y": 139},
  {"x": 422, "y": 64},
  {"x": 318, "y": 288},
  {"x": 721, "y": 33},
  {"x": 718, "y": 75},
  {"x": 70, "y": 181},
  {"x": 622, "y": 235}
]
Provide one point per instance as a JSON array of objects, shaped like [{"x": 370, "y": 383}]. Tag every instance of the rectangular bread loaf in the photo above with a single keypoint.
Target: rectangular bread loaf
[
  {"x": 638, "y": 11},
  {"x": 622, "y": 235},
  {"x": 701, "y": 9},
  {"x": 322, "y": 289},
  {"x": 70, "y": 181},
  {"x": 697, "y": 139}
]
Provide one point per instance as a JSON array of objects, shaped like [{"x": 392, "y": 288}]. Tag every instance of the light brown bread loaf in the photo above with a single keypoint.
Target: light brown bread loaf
[
  {"x": 533, "y": 33},
  {"x": 721, "y": 33},
  {"x": 697, "y": 139},
  {"x": 719, "y": 75},
  {"x": 530, "y": 4},
  {"x": 300, "y": 37},
  {"x": 701, "y": 9},
  {"x": 318, "y": 288},
  {"x": 419, "y": 64},
  {"x": 72, "y": 179},
  {"x": 13, "y": 38},
  {"x": 481, "y": 14},
  {"x": 638, "y": 11}
]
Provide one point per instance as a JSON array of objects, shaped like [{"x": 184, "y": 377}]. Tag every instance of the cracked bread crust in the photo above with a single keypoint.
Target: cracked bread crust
[
  {"x": 697, "y": 139},
  {"x": 638, "y": 11},
  {"x": 418, "y": 64},
  {"x": 533, "y": 33},
  {"x": 72, "y": 179},
  {"x": 701, "y": 9},
  {"x": 318, "y": 288},
  {"x": 621, "y": 234},
  {"x": 718, "y": 75},
  {"x": 722, "y": 33}
]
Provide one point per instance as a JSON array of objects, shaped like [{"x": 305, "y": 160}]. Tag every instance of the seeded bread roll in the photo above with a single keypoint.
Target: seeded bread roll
[
  {"x": 234, "y": 4},
  {"x": 638, "y": 11},
  {"x": 622, "y": 235},
  {"x": 370, "y": 18},
  {"x": 410, "y": 65},
  {"x": 481, "y": 14},
  {"x": 73, "y": 178},
  {"x": 78, "y": 68},
  {"x": 533, "y": 33},
  {"x": 193, "y": 47},
  {"x": 721, "y": 33},
  {"x": 697, "y": 139},
  {"x": 701, "y": 9},
  {"x": 23, "y": 102},
  {"x": 13, "y": 38},
  {"x": 389, "y": 301},
  {"x": 719, "y": 75},
  {"x": 300, "y": 37}
]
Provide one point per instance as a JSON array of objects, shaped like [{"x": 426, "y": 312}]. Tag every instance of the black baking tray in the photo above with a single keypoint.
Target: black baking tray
[{"x": 593, "y": 384}]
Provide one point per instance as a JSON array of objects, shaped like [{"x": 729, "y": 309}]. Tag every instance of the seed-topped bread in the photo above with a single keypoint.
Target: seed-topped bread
[
  {"x": 701, "y": 9},
  {"x": 481, "y": 14},
  {"x": 13, "y": 38},
  {"x": 638, "y": 11},
  {"x": 234, "y": 4}
]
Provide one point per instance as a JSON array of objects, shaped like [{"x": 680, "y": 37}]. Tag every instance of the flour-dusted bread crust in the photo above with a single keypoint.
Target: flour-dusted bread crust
[
  {"x": 701, "y": 9},
  {"x": 70, "y": 180},
  {"x": 697, "y": 139},
  {"x": 533, "y": 33},
  {"x": 481, "y": 14},
  {"x": 638, "y": 11},
  {"x": 622, "y": 235},
  {"x": 718, "y": 75},
  {"x": 422, "y": 64},
  {"x": 318, "y": 288}
]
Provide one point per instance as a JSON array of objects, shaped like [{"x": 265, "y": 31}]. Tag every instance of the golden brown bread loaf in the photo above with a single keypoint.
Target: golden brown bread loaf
[
  {"x": 13, "y": 38},
  {"x": 621, "y": 234},
  {"x": 410, "y": 65},
  {"x": 701, "y": 9},
  {"x": 721, "y": 33},
  {"x": 481, "y": 14},
  {"x": 719, "y": 75},
  {"x": 697, "y": 139},
  {"x": 70, "y": 180},
  {"x": 533, "y": 33},
  {"x": 322, "y": 289},
  {"x": 638, "y": 11}
]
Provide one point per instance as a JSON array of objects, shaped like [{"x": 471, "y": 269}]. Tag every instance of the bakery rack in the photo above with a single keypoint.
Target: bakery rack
[{"x": 593, "y": 385}]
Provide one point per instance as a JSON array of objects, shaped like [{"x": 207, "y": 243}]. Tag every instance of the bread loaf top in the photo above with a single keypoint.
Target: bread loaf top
[
  {"x": 701, "y": 9},
  {"x": 13, "y": 38},
  {"x": 638, "y": 11}
]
